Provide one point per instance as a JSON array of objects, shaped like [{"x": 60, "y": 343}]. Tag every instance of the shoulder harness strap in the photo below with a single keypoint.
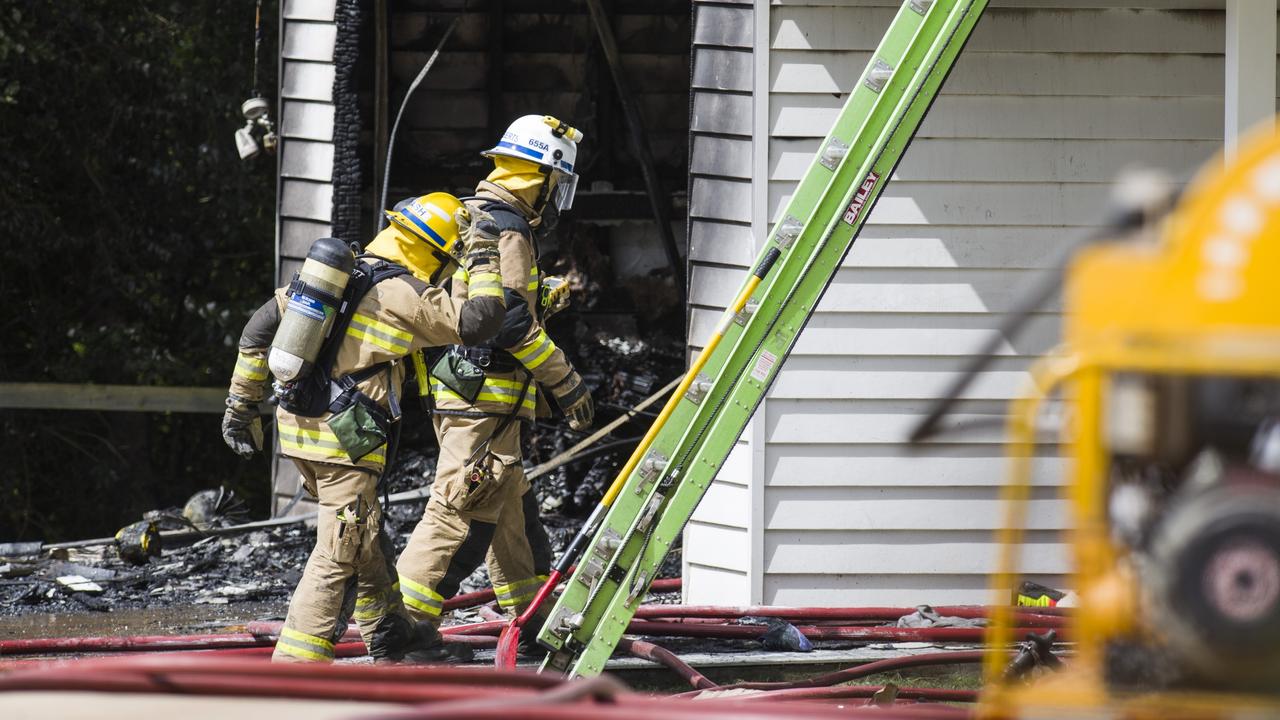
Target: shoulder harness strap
[
  {"x": 505, "y": 215},
  {"x": 363, "y": 278}
]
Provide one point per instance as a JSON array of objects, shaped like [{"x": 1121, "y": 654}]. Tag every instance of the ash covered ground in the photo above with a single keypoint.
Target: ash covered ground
[{"x": 263, "y": 566}]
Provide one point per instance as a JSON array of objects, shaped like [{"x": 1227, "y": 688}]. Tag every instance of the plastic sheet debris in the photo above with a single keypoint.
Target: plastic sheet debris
[
  {"x": 779, "y": 634},
  {"x": 926, "y": 617},
  {"x": 79, "y": 583}
]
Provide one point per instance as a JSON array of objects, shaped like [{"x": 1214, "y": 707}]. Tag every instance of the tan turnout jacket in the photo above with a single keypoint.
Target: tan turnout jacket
[
  {"x": 536, "y": 352},
  {"x": 397, "y": 317}
]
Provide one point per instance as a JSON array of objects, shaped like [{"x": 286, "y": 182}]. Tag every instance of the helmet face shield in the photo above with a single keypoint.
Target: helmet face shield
[{"x": 566, "y": 189}]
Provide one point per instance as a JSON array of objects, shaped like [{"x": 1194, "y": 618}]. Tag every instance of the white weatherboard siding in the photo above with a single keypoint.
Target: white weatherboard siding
[
  {"x": 823, "y": 504},
  {"x": 717, "y": 540},
  {"x": 305, "y": 205}
]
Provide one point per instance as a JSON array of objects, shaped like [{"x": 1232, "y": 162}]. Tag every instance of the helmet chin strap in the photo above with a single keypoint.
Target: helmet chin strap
[{"x": 544, "y": 194}]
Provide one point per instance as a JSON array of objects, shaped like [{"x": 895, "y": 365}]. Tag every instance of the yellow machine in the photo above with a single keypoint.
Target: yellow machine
[{"x": 1170, "y": 371}]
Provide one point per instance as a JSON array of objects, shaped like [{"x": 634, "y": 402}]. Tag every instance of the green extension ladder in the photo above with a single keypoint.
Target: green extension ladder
[{"x": 815, "y": 233}]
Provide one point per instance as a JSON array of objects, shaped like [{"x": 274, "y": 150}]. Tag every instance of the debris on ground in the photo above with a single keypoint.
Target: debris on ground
[
  {"x": 779, "y": 634},
  {"x": 926, "y": 617},
  {"x": 136, "y": 570}
]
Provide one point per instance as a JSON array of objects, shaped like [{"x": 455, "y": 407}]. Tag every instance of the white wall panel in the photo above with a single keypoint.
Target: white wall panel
[
  {"x": 1049, "y": 102},
  {"x": 961, "y": 552},
  {"x": 720, "y": 544},
  {"x": 1039, "y": 117},
  {"x": 305, "y": 202},
  {"x": 1002, "y": 160},
  {"x": 1023, "y": 73},
  {"x": 1015, "y": 30},
  {"x": 900, "y": 508},
  {"x": 939, "y": 465},
  {"x": 309, "y": 41},
  {"x": 1016, "y": 157},
  {"x": 307, "y": 120},
  {"x": 309, "y": 160},
  {"x": 308, "y": 81}
]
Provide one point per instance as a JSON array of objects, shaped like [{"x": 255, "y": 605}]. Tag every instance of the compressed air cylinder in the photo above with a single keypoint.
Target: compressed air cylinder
[{"x": 314, "y": 298}]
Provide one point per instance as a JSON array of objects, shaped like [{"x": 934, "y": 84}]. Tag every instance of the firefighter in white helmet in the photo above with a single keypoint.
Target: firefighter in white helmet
[
  {"x": 481, "y": 507},
  {"x": 338, "y": 421}
]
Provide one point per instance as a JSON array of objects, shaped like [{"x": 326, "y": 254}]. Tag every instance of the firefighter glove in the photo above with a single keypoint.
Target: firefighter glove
[
  {"x": 553, "y": 295},
  {"x": 242, "y": 426},
  {"x": 574, "y": 399},
  {"x": 479, "y": 234}
]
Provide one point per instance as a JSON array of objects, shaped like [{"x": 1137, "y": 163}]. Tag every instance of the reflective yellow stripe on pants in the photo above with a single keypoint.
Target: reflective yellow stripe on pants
[
  {"x": 420, "y": 597},
  {"x": 322, "y": 443},
  {"x": 374, "y": 606},
  {"x": 304, "y": 646},
  {"x": 519, "y": 592}
]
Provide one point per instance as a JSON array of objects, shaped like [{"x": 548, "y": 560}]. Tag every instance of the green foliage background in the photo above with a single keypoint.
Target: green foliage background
[{"x": 136, "y": 243}]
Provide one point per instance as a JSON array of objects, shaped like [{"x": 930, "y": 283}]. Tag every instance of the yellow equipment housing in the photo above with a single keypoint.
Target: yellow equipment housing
[{"x": 1197, "y": 299}]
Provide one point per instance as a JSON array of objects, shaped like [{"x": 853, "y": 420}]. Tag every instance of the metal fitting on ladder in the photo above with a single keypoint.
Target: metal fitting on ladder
[
  {"x": 788, "y": 230},
  {"x": 745, "y": 314},
  {"x": 877, "y": 75},
  {"x": 650, "y": 468},
  {"x": 698, "y": 390},
  {"x": 833, "y": 153}
]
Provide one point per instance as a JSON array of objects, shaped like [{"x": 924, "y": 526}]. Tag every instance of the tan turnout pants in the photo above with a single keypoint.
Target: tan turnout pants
[
  {"x": 466, "y": 522},
  {"x": 349, "y": 571}
]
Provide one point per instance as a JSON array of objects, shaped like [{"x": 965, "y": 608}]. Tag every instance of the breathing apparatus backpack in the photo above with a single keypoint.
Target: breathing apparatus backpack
[{"x": 314, "y": 324}]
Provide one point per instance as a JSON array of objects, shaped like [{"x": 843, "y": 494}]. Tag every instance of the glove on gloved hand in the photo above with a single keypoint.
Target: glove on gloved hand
[
  {"x": 479, "y": 236},
  {"x": 242, "y": 426},
  {"x": 574, "y": 399},
  {"x": 553, "y": 295}
]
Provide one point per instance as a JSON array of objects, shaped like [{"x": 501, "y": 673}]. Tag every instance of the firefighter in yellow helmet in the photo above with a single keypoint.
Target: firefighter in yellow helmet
[
  {"x": 481, "y": 507},
  {"x": 339, "y": 420}
]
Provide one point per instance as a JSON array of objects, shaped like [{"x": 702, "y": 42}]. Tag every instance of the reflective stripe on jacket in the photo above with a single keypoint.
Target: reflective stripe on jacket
[
  {"x": 396, "y": 317},
  {"x": 537, "y": 352}
]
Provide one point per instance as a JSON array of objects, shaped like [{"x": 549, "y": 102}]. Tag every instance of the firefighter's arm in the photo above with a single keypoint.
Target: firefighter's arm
[
  {"x": 249, "y": 379},
  {"x": 529, "y": 344},
  {"x": 444, "y": 320},
  {"x": 534, "y": 349},
  {"x": 241, "y": 424},
  {"x": 518, "y": 266}
]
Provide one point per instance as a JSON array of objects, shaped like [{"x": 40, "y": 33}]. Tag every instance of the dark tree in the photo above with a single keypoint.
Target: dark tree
[{"x": 136, "y": 244}]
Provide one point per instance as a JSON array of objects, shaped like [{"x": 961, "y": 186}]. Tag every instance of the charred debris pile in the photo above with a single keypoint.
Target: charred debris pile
[{"x": 198, "y": 557}]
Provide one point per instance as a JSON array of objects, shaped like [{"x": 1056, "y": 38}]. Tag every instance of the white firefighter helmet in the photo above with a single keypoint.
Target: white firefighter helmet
[{"x": 549, "y": 143}]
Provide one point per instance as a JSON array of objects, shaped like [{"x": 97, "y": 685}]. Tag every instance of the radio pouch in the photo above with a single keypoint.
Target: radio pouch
[
  {"x": 360, "y": 424},
  {"x": 460, "y": 375}
]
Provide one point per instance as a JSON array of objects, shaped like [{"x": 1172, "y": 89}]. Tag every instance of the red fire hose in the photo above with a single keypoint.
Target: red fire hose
[{"x": 666, "y": 658}]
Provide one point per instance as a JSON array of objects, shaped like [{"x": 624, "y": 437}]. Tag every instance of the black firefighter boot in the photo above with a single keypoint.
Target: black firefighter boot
[
  {"x": 399, "y": 639},
  {"x": 528, "y": 646}
]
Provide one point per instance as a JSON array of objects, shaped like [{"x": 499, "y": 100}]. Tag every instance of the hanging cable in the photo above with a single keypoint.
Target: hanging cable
[
  {"x": 381, "y": 219},
  {"x": 257, "y": 44}
]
